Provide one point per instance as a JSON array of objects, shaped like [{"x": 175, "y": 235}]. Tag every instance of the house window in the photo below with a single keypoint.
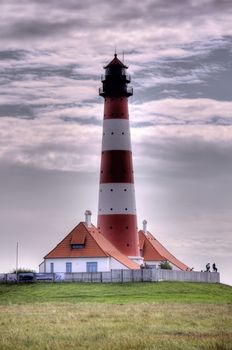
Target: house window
[
  {"x": 68, "y": 267},
  {"x": 52, "y": 267},
  {"x": 77, "y": 246},
  {"x": 91, "y": 266},
  {"x": 152, "y": 266}
]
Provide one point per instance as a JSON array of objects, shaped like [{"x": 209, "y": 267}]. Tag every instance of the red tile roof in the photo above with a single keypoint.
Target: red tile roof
[
  {"x": 78, "y": 238},
  {"x": 153, "y": 250},
  {"x": 96, "y": 245}
]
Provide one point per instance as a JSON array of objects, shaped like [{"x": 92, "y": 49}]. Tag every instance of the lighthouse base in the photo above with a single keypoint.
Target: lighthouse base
[{"x": 137, "y": 259}]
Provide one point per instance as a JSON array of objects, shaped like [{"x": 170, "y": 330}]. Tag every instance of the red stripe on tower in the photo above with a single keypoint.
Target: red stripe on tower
[{"x": 117, "y": 218}]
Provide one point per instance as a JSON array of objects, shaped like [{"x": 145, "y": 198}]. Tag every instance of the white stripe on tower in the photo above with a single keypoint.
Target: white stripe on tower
[
  {"x": 117, "y": 198},
  {"x": 116, "y": 135}
]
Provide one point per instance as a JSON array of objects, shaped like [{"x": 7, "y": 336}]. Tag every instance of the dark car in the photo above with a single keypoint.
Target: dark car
[{"x": 26, "y": 277}]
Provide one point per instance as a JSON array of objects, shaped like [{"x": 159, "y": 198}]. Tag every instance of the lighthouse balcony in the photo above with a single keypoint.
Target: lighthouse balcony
[
  {"x": 114, "y": 92},
  {"x": 125, "y": 77}
]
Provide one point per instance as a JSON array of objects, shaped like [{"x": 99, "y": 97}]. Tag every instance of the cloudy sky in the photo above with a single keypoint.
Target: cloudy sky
[{"x": 180, "y": 57}]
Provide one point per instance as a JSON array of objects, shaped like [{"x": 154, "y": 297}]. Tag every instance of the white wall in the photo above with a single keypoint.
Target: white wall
[
  {"x": 42, "y": 267},
  {"x": 79, "y": 264}
]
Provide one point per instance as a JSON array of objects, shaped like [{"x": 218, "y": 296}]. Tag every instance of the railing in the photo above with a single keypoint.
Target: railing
[
  {"x": 128, "y": 90},
  {"x": 117, "y": 276}
]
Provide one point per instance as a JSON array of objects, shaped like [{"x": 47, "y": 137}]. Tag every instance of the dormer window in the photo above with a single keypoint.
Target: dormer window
[
  {"x": 78, "y": 242},
  {"x": 77, "y": 246}
]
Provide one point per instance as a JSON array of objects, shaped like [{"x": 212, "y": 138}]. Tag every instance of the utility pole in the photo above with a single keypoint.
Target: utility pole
[{"x": 17, "y": 257}]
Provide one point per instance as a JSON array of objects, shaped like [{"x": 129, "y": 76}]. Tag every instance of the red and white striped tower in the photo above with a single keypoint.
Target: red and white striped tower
[{"x": 117, "y": 218}]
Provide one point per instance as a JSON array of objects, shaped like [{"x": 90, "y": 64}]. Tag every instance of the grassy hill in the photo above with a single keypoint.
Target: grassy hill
[{"x": 167, "y": 315}]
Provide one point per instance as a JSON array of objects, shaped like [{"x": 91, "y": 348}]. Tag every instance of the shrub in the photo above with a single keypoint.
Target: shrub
[
  {"x": 23, "y": 270},
  {"x": 165, "y": 265}
]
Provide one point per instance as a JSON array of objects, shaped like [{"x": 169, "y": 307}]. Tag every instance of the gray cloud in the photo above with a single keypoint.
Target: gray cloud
[
  {"x": 19, "y": 73},
  {"x": 21, "y": 111},
  {"x": 16, "y": 55},
  {"x": 53, "y": 18},
  {"x": 38, "y": 28},
  {"x": 191, "y": 158},
  {"x": 81, "y": 121},
  {"x": 206, "y": 74}
]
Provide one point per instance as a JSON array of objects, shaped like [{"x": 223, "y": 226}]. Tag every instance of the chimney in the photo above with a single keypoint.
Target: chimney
[
  {"x": 145, "y": 226},
  {"x": 88, "y": 218}
]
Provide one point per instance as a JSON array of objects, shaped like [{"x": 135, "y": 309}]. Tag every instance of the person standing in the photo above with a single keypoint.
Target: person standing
[
  {"x": 214, "y": 267},
  {"x": 207, "y": 267}
]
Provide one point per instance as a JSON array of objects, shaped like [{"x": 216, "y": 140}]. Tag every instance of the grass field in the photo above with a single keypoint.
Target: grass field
[{"x": 167, "y": 315}]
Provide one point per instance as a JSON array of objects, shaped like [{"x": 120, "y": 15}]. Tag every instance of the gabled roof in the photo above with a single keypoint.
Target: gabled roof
[
  {"x": 115, "y": 62},
  {"x": 96, "y": 245},
  {"x": 64, "y": 249},
  {"x": 153, "y": 250}
]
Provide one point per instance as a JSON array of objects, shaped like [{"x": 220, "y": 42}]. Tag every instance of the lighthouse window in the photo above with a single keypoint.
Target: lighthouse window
[
  {"x": 125, "y": 208},
  {"x": 127, "y": 227},
  {"x": 111, "y": 227},
  {"x": 125, "y": 189},
  {"x": 128, "y": 245},
  {"x": 111, "y": 189},
  {"x": 111, "y": 209},
  {"x": 112, "y": 133},
  {"x": 122, "y": 113},
  {"x": 101, "y": 171},
  {"x": 122, "y": 133}
]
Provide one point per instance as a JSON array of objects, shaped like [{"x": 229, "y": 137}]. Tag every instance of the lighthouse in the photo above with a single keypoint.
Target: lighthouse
[
  {"x": 116, "y": 243},
  {"x": 117, "y": 219}
]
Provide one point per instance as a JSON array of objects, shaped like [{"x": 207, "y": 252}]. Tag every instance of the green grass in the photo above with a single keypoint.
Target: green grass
[
  {"x": 140, "y": 316},
  {"x": 178, "y": 292}
]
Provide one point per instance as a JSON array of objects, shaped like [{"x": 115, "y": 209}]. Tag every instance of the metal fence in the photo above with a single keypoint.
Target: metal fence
[{"x": 115, "y": 276}]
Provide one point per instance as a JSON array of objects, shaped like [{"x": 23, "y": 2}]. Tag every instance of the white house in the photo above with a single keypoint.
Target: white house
[{"x": 85, "y": 249}]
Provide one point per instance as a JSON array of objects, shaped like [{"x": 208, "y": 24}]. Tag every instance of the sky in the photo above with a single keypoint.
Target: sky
[{"x": 179, "y": 55}]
